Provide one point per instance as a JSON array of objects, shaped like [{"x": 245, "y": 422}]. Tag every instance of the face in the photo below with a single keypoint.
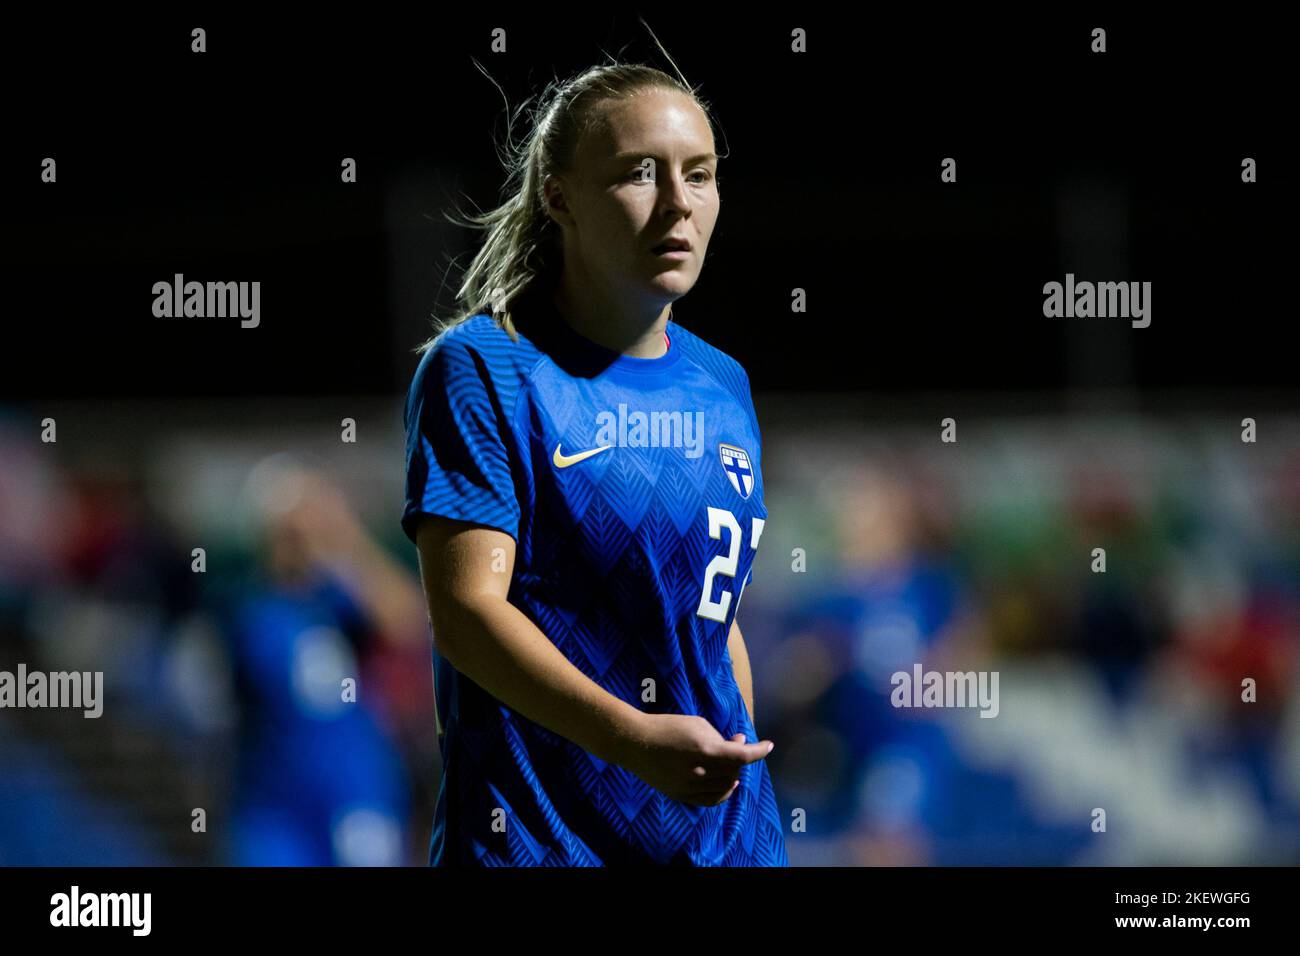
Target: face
[{"x": 646, "y": 174}]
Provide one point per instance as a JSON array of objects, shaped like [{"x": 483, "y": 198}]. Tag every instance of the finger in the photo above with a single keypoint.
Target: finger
[
  {"x": 734, "y": 755},
  {"x": 713, "y": 776},
  {"x": 730, "y": 792},
  {"x": 714, "y": 787}
]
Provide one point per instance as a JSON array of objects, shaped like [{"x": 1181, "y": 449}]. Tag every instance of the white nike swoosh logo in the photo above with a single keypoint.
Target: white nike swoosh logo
[{"x": 564, "y": 461}]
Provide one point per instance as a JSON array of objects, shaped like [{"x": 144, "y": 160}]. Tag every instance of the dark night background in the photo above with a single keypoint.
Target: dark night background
[
  {"x": 1121, "y": 690},
  {"x": 225, "y": 166}
]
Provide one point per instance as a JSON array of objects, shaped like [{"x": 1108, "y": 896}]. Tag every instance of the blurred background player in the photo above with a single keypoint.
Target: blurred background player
[{"x": 320, "y": 781}]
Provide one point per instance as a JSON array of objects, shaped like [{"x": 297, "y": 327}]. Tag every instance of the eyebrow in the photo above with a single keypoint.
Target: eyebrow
[{"x": 637, "y": 157}]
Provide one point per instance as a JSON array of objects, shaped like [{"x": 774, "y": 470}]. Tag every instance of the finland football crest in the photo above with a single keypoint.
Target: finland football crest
[{"x": 735, "y": 462}]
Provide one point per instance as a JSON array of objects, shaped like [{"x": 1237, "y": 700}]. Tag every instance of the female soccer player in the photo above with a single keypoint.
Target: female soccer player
[{"x": 583, "y": 487}]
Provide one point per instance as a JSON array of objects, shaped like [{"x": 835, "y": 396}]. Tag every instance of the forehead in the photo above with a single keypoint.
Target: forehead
[{"x": 657, "y": 120}]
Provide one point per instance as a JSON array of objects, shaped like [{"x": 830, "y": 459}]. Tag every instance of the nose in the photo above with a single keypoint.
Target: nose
[{"x": 673, "y": 196}]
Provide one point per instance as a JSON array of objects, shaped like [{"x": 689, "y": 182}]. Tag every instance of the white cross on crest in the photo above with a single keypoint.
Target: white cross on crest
[{"x": 735, "y": 462}]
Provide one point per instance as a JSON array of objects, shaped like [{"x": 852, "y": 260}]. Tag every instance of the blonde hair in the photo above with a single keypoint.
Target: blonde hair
[{"x": 523, "y": 244}]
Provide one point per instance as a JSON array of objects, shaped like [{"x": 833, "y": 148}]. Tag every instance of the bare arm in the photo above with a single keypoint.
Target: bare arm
[
  {"x": 466, "y": 570},
  {"x": 334, "y": 538},
  {"x": 387, "y": 590},
  {"x": 496, "y": 645},
  {"x": 740, "y": 665}
]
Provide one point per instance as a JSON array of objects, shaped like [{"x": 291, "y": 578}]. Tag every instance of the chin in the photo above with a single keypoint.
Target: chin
[{"x": 674, "y": 284}]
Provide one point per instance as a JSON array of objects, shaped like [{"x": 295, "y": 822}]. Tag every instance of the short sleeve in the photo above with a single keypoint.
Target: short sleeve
[
  {"x": 457, "y": 435},
  {"x": 749, "y": 402},
  {"x": 336, "y": 596},
  {"x": 758, "y": 448},
  {"x": 752, "y": 414}
]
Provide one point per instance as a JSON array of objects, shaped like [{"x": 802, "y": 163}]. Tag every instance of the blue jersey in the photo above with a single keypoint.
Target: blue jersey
[{"x": 633, "y": 491}]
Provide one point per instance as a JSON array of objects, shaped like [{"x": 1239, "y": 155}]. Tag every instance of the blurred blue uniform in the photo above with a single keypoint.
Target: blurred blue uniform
[
  {"x": 319, "y": 782},
  {"x": 903, "y": 771}
]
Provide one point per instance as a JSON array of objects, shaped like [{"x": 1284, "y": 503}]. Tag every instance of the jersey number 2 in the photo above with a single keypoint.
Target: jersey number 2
[{"x": 720, "y": 518}]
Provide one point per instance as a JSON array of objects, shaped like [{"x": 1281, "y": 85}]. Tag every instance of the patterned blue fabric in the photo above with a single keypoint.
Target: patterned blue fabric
[{"x": 632, "y": 560}]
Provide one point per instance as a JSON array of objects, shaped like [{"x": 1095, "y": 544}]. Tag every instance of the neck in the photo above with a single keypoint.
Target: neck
[{"x": 634, "y": 328}]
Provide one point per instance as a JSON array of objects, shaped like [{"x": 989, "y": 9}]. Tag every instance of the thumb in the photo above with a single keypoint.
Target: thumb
[{"x": 744, "y": 753}]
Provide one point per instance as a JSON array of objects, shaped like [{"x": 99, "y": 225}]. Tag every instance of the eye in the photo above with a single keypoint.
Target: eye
[{"x": 702, "y": 172}]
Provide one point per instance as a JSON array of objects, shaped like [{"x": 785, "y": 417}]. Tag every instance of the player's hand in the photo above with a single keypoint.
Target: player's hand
[{"x": 684, "y": 757}]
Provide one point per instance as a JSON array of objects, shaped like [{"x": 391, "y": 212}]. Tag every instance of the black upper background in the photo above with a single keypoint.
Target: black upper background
[{"x": 225, "y": 166}]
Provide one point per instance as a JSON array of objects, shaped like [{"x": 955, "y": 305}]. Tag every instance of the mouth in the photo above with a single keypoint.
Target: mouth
[{"x": 678, "y": 247}]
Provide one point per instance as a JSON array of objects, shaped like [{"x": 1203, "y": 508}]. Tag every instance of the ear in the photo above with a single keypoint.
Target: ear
[{"x": 557, "y": 205}]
